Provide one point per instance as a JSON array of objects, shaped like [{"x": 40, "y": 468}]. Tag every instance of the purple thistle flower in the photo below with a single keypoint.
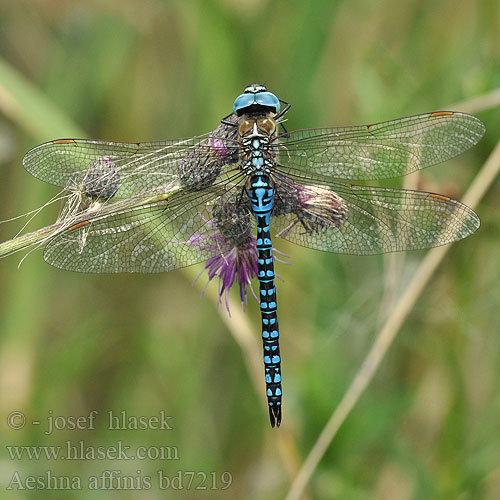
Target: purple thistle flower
[
  {"x": 232, "y": 244},
  {"x": 317, "y": 208},
  {"x": 199, "y": 168},
  {"x": 102, "y": 180},
  {"x": 234, "y": 252},
  {"x": 236, "y": 263}
]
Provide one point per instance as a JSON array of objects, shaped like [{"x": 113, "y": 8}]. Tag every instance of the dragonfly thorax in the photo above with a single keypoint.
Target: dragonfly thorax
[{"x": 256, "y": 136}]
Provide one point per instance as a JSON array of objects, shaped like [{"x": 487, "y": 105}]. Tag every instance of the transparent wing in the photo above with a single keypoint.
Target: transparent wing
[
  {"x": 382, "y": 150},
  {"x": 366, "y": 220},
  {"x": 157, "y": 237},
  {"x": 120, "y": 170}
]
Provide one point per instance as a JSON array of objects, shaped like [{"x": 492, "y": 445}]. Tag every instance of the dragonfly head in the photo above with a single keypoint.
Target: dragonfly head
[{"x": 256, "y": 98}]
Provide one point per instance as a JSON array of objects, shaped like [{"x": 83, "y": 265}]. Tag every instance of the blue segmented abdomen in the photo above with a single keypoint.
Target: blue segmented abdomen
[{"x": 261, "y": 194}]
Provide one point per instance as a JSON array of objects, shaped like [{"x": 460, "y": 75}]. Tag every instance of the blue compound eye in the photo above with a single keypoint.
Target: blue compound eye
[
  {"x": 248, "y": 99},
  {"x": 268, "y": 99},
  {"x": 243, "y": 101}
]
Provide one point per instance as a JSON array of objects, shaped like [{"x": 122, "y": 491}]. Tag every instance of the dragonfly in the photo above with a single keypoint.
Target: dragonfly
[{"x": 152, "y": 207}]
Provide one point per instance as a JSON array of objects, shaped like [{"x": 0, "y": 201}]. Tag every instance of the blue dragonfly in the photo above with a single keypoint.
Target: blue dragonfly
[{"x": 157, "y": 206}]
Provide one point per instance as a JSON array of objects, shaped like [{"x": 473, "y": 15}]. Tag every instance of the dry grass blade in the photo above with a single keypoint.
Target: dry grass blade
[
  {"x": 388, "y": 333},
  {"x": 480, "y": 103}
]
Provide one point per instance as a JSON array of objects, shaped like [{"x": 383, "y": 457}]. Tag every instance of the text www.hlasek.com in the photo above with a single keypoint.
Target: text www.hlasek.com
[{"x": 80, "y": 451}]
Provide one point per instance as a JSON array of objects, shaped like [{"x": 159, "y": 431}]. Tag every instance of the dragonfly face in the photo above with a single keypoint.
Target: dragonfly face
[{"x": 157, "y": 206}]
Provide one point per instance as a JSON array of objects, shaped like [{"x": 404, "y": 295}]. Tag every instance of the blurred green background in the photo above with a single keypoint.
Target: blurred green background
[{"x": 428, "y": 426}]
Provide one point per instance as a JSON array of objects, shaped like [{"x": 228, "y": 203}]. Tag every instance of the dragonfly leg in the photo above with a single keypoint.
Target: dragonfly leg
[
  {"x": 282, "y": 113},
  {"x": 284, "y": 110},
  {"x": 225, "y": 121}
]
